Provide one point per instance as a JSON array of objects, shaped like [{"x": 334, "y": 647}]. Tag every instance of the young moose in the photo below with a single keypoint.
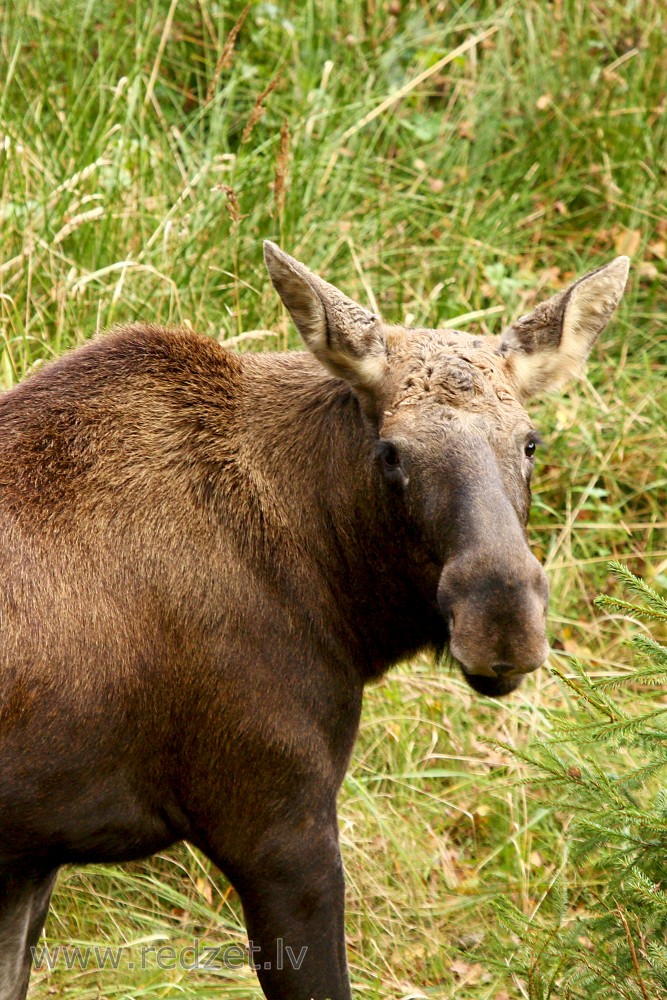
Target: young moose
[{"x": 205, "y": 556}]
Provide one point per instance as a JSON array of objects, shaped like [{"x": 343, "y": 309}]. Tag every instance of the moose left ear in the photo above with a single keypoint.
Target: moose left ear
[{"x": 551, "y": 344}]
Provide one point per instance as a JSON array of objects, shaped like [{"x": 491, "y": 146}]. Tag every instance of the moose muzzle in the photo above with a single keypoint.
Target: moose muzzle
[{"x": 495, "y": 602}]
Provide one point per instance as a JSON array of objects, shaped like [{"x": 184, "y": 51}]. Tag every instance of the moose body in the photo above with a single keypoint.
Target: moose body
[{"x": 205, "y": 556}]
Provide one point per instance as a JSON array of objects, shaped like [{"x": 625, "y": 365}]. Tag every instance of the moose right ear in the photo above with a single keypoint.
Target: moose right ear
[{"x": 345, "y": 337}]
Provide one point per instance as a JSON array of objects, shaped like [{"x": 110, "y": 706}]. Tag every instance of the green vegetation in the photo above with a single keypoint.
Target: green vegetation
[
  {"x": 142, "y": 161},
  {"x": 605, "y": 766}
]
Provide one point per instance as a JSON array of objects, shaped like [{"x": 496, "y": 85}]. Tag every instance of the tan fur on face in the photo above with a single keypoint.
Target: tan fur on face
[{"x": 446, "y": 368}]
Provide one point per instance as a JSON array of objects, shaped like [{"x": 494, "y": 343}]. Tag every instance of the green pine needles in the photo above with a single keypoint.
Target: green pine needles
[{"x": 606, "y": 935}]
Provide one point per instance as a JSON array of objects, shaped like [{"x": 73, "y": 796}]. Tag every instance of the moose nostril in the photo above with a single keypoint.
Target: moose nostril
[{"x": 503, "y": 668}]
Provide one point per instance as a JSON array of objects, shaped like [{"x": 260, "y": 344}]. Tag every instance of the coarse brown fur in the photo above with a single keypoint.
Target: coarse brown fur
[{"x": 203, "y": 559}]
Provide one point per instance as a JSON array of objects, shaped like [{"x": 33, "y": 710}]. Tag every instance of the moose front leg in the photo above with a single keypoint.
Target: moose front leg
[
  {"x": 293, "y": 900},
  {"x": 24, "y": 902}
]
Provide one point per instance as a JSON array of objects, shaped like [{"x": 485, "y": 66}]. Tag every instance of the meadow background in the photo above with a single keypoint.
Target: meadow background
[{"x": 441, "y": 162}]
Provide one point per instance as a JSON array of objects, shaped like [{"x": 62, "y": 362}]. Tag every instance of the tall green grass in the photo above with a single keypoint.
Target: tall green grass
[{"x": 140, "y": 168}]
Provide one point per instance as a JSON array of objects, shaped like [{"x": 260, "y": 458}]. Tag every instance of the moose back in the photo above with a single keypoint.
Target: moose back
[{"x": 205, "y": 556}]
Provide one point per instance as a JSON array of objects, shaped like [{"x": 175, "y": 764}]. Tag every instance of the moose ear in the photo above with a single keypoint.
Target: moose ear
[
  {"x": 551, "y": 344},
  {"x": 344, "y": 336}
]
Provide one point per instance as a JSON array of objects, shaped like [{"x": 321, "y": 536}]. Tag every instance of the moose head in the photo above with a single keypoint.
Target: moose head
[{"x": 456, "y": 447}]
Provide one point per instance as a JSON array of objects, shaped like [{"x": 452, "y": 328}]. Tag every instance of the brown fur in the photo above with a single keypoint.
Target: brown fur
[{"x": 203, "y": 559}]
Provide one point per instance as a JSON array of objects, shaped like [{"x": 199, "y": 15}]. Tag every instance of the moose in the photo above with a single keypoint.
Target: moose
[{"x": 204, "y": 557}]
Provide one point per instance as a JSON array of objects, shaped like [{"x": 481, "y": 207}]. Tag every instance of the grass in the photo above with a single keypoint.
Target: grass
[{"x": 140, "y": 168}]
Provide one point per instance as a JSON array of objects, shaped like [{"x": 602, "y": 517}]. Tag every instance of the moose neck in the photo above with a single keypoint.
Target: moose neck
[{"x": 350, "y": 548}]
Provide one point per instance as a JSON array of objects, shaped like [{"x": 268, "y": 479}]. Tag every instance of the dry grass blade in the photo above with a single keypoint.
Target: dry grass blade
[
  {"x": 78, "y": 220},
  {"x": 226, "y": 56},
  {"x": 166, "y": 31},
  {"x": 233, "y": 207},
  {"x": 280, "y": 176},
  {"x": 633, "y": 953},
  {"x": 259, "y": 108}
]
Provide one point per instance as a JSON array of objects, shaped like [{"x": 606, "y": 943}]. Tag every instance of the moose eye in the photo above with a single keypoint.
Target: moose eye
[
  {"x": 388, "y": 453},
  {"x": 390, "y": 460},
  {"x": 531, "y": 445}
]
